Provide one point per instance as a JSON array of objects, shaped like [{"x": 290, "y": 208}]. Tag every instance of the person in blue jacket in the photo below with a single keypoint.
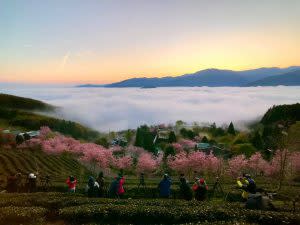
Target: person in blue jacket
[{"x": 165, "y": 187}]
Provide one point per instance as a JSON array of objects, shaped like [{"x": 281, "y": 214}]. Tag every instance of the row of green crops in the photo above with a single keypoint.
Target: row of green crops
[{"x": 40, "y": 208}]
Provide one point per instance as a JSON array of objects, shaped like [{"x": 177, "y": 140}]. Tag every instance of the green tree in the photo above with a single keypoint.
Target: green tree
[
  {"x": 204, "y": 139},
  {"x": 231, "y": 129},
  {"x": 102, "y": 141},
  {"x": 257, "y": 141},
  {"x": 144, "y": 138},
  {"x": 172, "y": 137},
  {"x": 169, "y": 150},
  {"x": 138, "y": 138},
  {"x": 129, "y": 135},
  {"x": 187, "y": 133}
]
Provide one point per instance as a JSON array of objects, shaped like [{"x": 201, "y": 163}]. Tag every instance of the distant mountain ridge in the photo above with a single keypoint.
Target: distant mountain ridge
[
  {"x": 287, "y": 79},
  {"x": 211, "y": 78}
]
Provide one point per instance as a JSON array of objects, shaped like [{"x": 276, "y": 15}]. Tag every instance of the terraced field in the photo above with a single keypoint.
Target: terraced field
[{"x": 25, "y": 162}]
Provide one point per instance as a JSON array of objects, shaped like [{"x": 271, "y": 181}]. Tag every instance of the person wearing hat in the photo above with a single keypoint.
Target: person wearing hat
[
  {"x": 200, "y": 188},
  {"x": 32, "y": 182},
  {"x": 165, "y": 187}
]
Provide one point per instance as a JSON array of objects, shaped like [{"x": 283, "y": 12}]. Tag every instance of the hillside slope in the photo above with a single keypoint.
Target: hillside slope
[
  {"x": 20, "y": 113},
  {"x": 25, "y": 162},
  {"x": 16, "y": 102}
]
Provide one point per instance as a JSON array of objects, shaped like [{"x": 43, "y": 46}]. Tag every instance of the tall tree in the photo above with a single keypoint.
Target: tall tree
[
  {"x": 231, "y": 129},
  {"x": 257, "y": 141},
  {"x": 144, "y": 138},
  {"x": 172, "y": 137}
]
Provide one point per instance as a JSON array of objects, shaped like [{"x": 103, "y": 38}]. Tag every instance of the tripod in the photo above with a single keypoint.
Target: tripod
[{"x": 217, "y": 188}]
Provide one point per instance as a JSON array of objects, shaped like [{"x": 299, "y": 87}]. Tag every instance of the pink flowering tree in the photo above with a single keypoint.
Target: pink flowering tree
[
  {"x": 96, "y": 155},
  {"x": 122, "y": 163},
  {"x": 147, "y": 163},
  {"x": 237, "y": 165},
  {"x": 257, "y": 164},
  {"x": 295, "y": 163},
  {"x": 196, "y": 161},
  {"x": 214, "y": 165},
  {"x": 180, "y": 163},
  {"x": 45, "y": 132},
  {"x": 187, "y": 144},
  {"x": 178, "y": 147},
  {"x": 134, "y": 151}
]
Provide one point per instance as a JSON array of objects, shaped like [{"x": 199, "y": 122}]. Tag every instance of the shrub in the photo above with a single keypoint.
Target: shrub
[
  {"x": 246, "y": 149},
  {"x": 17, "y": 215}
]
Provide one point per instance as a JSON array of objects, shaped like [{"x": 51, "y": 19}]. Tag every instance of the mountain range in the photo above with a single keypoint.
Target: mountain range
[{"x": 272, "y": 76}]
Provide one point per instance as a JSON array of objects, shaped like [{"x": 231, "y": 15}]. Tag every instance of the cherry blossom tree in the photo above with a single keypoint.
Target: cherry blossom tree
[
  {"x": 124, "y": 163},
  {"x": 257, "y": 164},
  {"x": 147, "y": 163},
  {"x": 237, "y": 165},
  {"x": 178, "y": 147},
  {"x": 187, "y": 144}
]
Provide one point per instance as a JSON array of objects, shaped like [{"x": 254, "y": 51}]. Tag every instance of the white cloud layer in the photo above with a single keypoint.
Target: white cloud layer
[{"x": 107, "y": 109}]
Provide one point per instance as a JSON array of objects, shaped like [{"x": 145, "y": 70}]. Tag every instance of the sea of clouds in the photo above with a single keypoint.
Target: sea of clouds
[{"x": 107, "y": 109}]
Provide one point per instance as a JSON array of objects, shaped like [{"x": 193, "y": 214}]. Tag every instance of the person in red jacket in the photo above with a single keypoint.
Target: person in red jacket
[
  {"x": 200, "y": 188},
  {"x": 71, "y": 182},
  {"x": 120, "y": 188}
]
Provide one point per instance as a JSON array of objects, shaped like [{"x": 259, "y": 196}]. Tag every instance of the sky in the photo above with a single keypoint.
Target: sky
[{"x": 103, "y": 41}]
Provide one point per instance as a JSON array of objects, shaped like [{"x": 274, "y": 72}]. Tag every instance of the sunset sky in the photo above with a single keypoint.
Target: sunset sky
[{"x": 103, "y": 41}]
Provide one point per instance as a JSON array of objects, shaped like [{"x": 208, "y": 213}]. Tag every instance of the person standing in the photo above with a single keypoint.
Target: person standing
[
  {"x": 121, "y": 182},
  {"x": 142, "y": 181},
  {"x": 200, "y": 188},
  {"x": 101, "y": 182},
  {"x": 71, "y": 182},
  {"x": 113, "y": 188},
  {"x": 185, "y": 189},
  {"x": 165, "y": 187},
  {"x": 32, "y": 182}
]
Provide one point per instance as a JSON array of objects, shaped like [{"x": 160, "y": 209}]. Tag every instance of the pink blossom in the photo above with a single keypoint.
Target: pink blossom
[
  {"x": 147, "y": 163},
  {"x": 44, "y": 131},
  {"x": 187, "y": 144},
  {"x": 257, "y": 164},
  {"x": 124, "y": 162},
  {"x": 237, "y": 165},
  {"x": 116, "y": 148},
  {"x": 295, "y": 161},
  {"x": 180, "y": 163},
  {"x": 178, "y": 147},
  {"x": 134, "y": 151}
]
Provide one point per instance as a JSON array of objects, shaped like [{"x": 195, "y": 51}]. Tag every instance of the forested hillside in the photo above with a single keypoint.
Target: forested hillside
[{"x": 19, "y": 113}]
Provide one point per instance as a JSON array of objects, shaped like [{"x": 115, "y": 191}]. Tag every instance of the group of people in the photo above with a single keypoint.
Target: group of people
[
  {"x": 15, "y": 183},
  {"x": 186, "y": 191},
  {"x": 253, "y": 197},
  {"x": 94, "y": 187},
  {"x": 247, "y": 184},
  {"x": 97, "y": 188}
]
